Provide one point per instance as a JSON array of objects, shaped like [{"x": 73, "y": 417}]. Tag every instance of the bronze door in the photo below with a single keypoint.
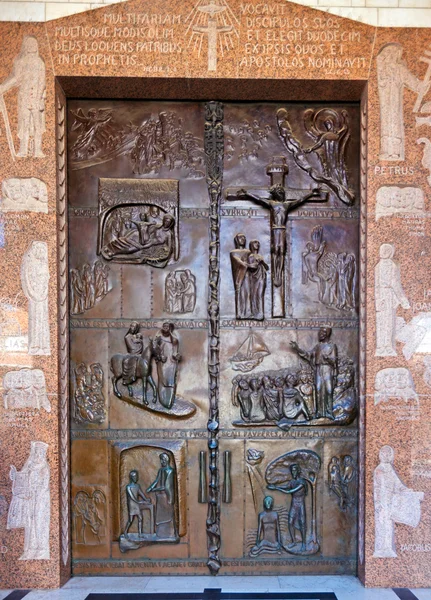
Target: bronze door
[{"x": 214, "y": 294}]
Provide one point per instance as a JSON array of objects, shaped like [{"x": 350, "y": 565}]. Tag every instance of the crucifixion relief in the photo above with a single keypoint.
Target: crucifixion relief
[{"x": 280, "y": 201}]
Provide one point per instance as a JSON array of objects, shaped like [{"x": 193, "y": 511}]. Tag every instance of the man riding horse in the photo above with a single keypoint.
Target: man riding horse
[{"x": 135, "y": 346}]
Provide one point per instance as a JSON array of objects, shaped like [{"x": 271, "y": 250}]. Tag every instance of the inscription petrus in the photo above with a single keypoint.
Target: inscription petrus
[{"x": 262, "y": 35}]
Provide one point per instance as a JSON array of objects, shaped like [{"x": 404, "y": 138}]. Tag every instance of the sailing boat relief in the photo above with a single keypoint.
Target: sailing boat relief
[{"x": 250, "y": 354}]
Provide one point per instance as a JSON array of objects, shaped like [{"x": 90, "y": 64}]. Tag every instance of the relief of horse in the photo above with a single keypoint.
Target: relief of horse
[{"x": 142, "y": 372}]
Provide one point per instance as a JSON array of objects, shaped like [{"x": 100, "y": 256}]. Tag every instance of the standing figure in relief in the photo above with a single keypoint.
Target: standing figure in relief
[
  {"x": 167, "y": 358},
  {"x": 164, "y": 488},
  {"x": 135, "y": 499},
  {"x": 30, "y": 505},
  {"x": 239, "y": 264},
  {"x": 323, "y": 362},
  {"x": 257, "y": 269},
  {"x": 34, "y": 281},
  {"x": 28, "y": 74},
  {"x": 393, "y": 76},
  {"x": 389, "y": 294},
  {"x": 393, "y": 503}
]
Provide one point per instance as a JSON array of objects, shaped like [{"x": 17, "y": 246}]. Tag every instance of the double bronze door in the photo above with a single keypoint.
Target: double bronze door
[{"x": 214, "y": 291}]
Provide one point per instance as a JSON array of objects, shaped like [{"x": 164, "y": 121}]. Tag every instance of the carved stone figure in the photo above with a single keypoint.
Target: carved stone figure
[
  {"x": 28, "y": 75},
  {"x": 393, "y": 76},
  {"x": 342, "y": 474},
  {"x": 89, "y": 517},
  {"x": 138, "y": 221},
  {"x": 136, "y": 502},
  {"x": 331, "y": 133},
  {"x": 25, "y": 389},
  {"x": 280, "y": 201},
  {"x": 394, "y": 382},
  {"x": 295, "y": 474},
  {"x": 180, "y": 292},
  {"x": 393, "y": 503},
  {"x": 323, "y": 361},
  {"x": 389, "y": 294},
  {"x": 89, "y": 407},
  {"x": 88, "y": 285},
  {"x": 268, "y": 539},
  {"x": 24, "y": 194},
  {"x": 335, "y": 275},
  {"x": 164, "y": 488},
  {"x": 250, "y": 354},
  {"x": 333, "y": 147},
  {"x": 30, "y": 507},
  {"x": 426, "y": 158},
  {"x": 162, "y": 352},
  {"x": 394, "y": 200},
  {"x": 34, "y": 281}
]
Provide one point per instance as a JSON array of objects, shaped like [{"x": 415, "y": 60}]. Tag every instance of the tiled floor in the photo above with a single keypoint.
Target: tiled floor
[{"x": 345, "y": 588}]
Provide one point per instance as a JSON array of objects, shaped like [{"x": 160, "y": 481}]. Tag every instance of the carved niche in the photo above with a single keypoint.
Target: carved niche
[
  {"x": 139, "y": 221},
  {"x": 152, "y": 488}
]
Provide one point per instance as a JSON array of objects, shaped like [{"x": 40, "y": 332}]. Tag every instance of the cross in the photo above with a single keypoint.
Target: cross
[
  {"x": 212, "y": 30},
  {"x": 280, "y": 201}
]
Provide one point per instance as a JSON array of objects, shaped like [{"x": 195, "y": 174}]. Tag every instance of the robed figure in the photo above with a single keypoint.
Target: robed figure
[
  {"x": 167, "y": 357},
  {"x": 393, "y": 503},
  {"x": 323, "y": 361},
  {"x": 239, "y": 264},
  {"x": 30, "y": 505},
  {"x": 34, "y": 281},
  {"x": 389, "y": 295},
  {"x": 164, "y": 488},
  {"x": 28, "y": 75}
]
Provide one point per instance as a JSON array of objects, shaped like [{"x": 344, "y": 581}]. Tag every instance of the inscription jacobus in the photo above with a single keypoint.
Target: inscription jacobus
[
  {"x": 24, "y": 194},
  {"x": 342, "y": 480},
  {"x": 394, "y": 503},
  {"x": 138, "y": 221},
  {"x": 321, "y": 392},
  {"x": 89, "y": 517},
  {"x": 389, "y": 294},
  {"x": 88, "y": 285},
  {"x": 393, "y": 76},
  {"x": 28, "y": 75},
  {"x": 25, "y": 389},
  {"x": 394, "y": 200},
  {"x": 334, "y": 274},
  {"x": 180, "y": 292},
  {"x": 30, "y": 507},
  {"x": 89, "y": 404},
  {"x": 136, "y": 368},
  {"x": 214, "y": 21},
  {"x": 34, "y": 281},
  {"x": 156, "y": 143}
]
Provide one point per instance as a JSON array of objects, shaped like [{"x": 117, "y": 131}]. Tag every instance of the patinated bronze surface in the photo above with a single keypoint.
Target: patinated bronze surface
[{"x": 214, "y": 293}]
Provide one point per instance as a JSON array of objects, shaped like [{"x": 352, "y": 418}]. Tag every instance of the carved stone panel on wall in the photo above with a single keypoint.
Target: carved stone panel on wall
[
  {"x": 396, "y": 200},
  {"x": 24, "y": 194},
  {"x": 139, "y": 221},
  {"x": 25, "y": 389}
]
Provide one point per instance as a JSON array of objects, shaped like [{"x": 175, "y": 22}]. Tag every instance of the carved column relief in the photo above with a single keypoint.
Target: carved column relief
[{"x": 214, "y": 149}]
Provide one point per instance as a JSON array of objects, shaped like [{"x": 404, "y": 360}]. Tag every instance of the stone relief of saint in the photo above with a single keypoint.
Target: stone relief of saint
[
  {"x": 393, "y": 76},
  {"x": 28, "y": 75},
  {"x": 394, "y": 503},
  {"x": 30, "y": 505},
  {"x": 389, "y": 294},
  {"x": 34, "y": 281}
]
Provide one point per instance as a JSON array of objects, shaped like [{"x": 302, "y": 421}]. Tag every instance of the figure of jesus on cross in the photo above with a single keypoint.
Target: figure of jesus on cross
[{"x": 280, "y": 201}]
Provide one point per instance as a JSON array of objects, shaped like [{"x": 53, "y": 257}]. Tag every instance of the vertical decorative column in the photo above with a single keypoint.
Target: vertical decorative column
[{"x": 214, "y": 149}]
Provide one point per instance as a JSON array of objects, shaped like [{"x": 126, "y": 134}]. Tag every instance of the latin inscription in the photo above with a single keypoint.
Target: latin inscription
[{"x": 261, "y": 35}]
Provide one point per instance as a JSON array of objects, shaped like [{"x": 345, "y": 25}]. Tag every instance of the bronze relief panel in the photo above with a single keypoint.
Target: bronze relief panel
[{"x": 214, "y": 294}]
